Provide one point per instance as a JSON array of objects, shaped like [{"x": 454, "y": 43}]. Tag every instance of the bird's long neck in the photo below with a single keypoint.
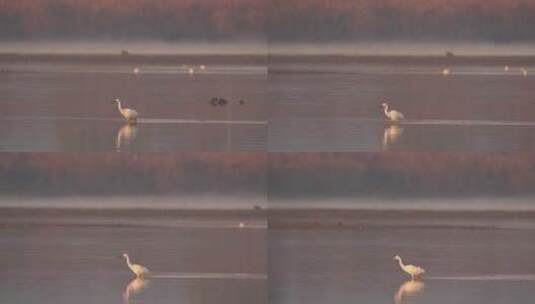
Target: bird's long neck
[
  {"x": 386, "y": 109},
  {"x": 128, "y": 262},
  {"x": 119, "y": 106},
  {"x": 401, "y": 263}
]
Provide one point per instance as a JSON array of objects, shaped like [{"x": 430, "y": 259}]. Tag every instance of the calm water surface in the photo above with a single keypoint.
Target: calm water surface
[
  {"x": 335, "y": 107},
  {"x": 66, "y": 107},
  {"x": 310, "y": 107},
  {"x": 82, "y": 264},
  {"x": 491, "y": 266}
]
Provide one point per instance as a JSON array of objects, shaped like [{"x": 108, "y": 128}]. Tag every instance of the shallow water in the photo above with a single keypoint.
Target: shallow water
[
  {"x": 335, "y": 107},
  {"x": 356, "y": 266},
  {"x": 66, "y": 107},
  {"x": 30, "y": 134},
  {"x": 355, "y": 135},
  {"x": 55, "y": 106},
  {"x": 82, "y": 264}
]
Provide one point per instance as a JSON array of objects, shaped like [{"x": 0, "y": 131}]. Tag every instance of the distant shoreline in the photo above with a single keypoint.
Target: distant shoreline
[
  {"x": 128, "y": 217},
  {"x": 279, "y": 218},
  {"x": 366, "y": 218},
  {"x": 133, "y": 58},
  {"x": 130, "y": 211},
  {"x": 513, "y": 60}
]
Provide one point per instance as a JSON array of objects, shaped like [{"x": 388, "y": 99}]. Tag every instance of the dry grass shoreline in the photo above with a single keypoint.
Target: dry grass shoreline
[{"x": 400, "y": 175}]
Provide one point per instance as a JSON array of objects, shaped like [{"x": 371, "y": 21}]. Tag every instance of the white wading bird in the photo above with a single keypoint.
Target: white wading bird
[
  {"x": 138, "y": 270},
  {"x": 129, "y": 114},
  {"x": 392, "y": 115},
  {"x": 413, "y": 271}
]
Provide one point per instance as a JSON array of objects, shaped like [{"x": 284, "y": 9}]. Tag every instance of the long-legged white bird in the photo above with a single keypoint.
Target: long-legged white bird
[
  {"x": 392, "y": 115},
  {"x": 413, "y": 271},
  {"x": 138, "y": 270},
  {"x": 129, "y": 114}
]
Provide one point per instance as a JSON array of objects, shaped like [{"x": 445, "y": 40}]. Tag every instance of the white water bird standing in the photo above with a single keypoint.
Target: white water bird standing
[
  {"x": 524, "y": 71},
  {"x": 392, "y": 115},
  {"x": 446, "y": 71},
  {"x": 413, "y": 271},
  {"x": 138, "y": 270},
  {"x": 129, "y": 114},
  {"x": 506, "y": 68}
]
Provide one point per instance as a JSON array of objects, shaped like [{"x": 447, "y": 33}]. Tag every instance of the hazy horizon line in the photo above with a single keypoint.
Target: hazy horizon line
[{"x": 261, "y": 47}]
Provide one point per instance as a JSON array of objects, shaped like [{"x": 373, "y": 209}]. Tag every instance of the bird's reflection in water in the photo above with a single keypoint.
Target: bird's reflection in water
[
  {"x": 391, "y": 136},
  {"x": 408, "y": 292},
  {"x": 135, "y": 286},
  {"x": 125, "y": 136}
]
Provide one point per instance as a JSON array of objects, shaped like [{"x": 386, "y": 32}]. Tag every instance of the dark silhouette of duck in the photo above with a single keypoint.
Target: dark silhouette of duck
[
  {"x": 218, "y": 101},
  {"x": 221, "y": 102}
]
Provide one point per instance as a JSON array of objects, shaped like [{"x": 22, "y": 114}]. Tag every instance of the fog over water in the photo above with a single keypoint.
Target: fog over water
[
  {"x": 414, "y": 48},
  {"x": 481, "y": 204},
  {"x": 208, "y": 201},
  {"x": 263, "y": 46},
  {"x": 260, "y": 165},
  {"x": 237, "y": 47}
]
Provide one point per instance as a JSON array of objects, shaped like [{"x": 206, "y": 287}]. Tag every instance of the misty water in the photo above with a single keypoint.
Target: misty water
[
  {"x": 308, "y": 106},
  {"x": 73, "y": 263},
  {"x": 66, "y": 106},
  {"x": 321, "y": 106},
  {"x": 356, "y": 266}
]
